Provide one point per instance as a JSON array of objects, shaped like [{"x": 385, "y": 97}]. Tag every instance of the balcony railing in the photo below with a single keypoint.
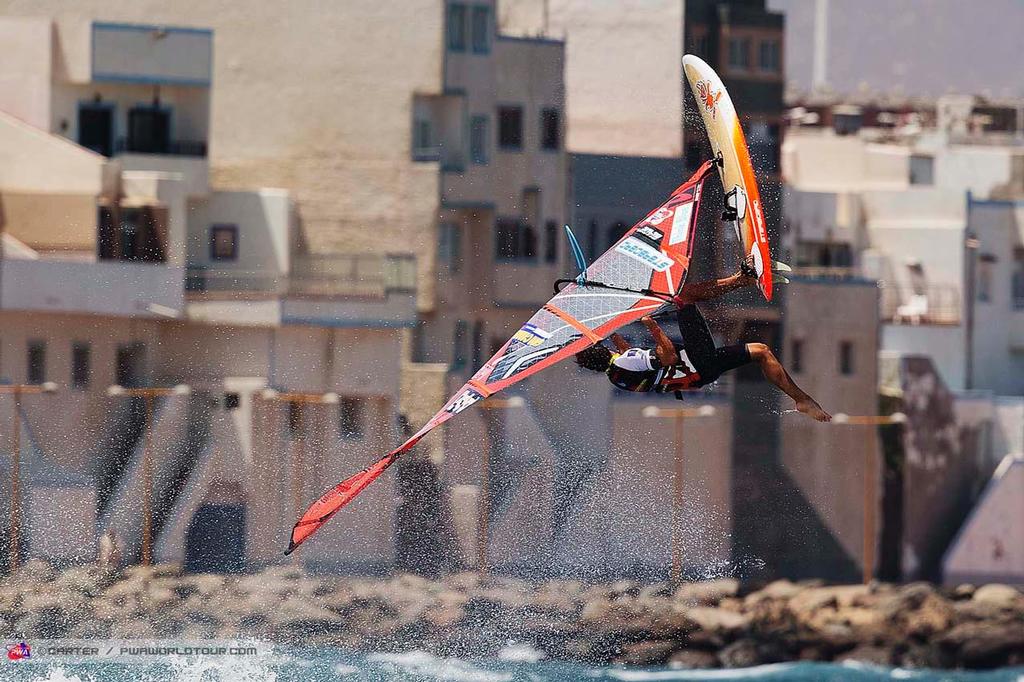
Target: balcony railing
[
  {"x": 929, "y": 305},
  {"x": 168, "y": 147},
  {"x": 358, "y": 275}
]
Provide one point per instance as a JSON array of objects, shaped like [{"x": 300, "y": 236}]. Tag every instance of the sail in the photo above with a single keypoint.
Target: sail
[{"x": 644, "y": 268}]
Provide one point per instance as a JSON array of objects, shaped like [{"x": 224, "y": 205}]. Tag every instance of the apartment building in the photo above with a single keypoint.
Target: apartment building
[
  {"x": 924, "y": 198},
  {"x": 124, "y": 265}
]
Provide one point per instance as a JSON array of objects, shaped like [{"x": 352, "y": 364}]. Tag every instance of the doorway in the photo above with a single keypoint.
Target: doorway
[{"x": 96, "y": 127}]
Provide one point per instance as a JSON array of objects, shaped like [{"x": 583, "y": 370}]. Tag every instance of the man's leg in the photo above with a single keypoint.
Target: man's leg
[{"x": 775, "y": 373}]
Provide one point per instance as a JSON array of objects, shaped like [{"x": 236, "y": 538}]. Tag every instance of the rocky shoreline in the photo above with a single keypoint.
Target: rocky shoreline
[{"x": 696, "y": 625}]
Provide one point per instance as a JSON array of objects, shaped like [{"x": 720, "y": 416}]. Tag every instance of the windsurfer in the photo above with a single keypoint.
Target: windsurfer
[{"x": 670, "y": 367}]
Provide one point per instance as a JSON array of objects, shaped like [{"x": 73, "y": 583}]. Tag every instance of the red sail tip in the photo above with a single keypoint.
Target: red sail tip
[{"x": 334, "y": 499}]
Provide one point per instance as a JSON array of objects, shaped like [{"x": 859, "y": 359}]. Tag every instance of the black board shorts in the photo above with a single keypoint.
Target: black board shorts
[{"x": 709, "y": 361}]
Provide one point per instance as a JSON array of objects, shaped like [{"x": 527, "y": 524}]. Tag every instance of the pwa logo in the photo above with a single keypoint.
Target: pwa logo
[{"x": 19, "y": 651}]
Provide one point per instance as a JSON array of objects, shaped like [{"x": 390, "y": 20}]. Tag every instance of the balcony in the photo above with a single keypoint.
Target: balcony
[
  {"x": 331, "y": 290},
  {"x": 160, "y": 146},
  {"x": 359, "y": 275},
  {"x": 930, "y": 305},
  {"x": 89, "y": 287}
]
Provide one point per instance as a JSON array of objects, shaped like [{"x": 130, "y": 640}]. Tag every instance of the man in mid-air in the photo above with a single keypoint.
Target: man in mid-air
[{"x": 670, "y": 368}]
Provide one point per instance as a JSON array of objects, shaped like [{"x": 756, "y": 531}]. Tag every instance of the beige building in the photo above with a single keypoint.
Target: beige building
[{"x": 140, "y": 272}]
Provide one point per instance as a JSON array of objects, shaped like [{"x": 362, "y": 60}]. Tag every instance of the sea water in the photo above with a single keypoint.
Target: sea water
[{"x": 321, "y": 664}]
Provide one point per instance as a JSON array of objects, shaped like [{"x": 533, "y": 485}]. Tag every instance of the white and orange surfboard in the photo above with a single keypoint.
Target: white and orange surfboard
[{"x": 737, "y": 172}]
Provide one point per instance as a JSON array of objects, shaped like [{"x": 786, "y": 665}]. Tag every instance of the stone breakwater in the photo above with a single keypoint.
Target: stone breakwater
[{"x": 698, "y": 625}]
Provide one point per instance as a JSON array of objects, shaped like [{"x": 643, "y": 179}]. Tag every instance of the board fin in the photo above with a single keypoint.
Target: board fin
[{"x": 577, "y": 254}]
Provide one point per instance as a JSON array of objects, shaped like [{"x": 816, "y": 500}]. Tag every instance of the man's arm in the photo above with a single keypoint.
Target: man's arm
[
  {"x": 621, "y": 344},
  {"x": 664, "y": 348},
  {"x": 703, "y": 291}
]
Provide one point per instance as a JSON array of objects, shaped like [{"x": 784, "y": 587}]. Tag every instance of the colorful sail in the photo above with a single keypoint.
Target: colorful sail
[{"x": 644, "y": 268}]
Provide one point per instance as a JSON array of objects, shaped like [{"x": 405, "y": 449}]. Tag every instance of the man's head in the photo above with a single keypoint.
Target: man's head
[{"x": 596, "y": 358}]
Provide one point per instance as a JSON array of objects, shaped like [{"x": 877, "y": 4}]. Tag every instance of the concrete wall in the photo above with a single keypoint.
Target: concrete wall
[
  {"x": 264, "y": 230},
  {"x": 828, "y": 462},
  {"x": 990, "y": 546},
  {"x": 998, "y": 360},
  {"x": 623, "y": 70},
  {"x": 823, "y": 162},
  {"x": 25, "y": 79}
]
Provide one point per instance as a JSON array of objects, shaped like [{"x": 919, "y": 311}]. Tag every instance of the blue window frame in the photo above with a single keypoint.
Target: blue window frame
[
  {"x": 510, "y": 128},
  {"x": 224, "y": 242},
  {"x": 481, "y": 29},
  {"x": 478, "y": 152},
  {"x": 457, "y": 27}
]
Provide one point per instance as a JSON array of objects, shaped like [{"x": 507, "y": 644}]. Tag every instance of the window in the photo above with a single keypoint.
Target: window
[
  {"x": 457, "y": 27},
  {"x": 80, "y": 368},
  {"x": 149, "y": 129},
  {"x": 36, "y": 362},
  {"x": 922, "y": 169},
  {"x": 510, "y": 128},
  {"x": 478, "y": 140},
  {"x": 223, "y": 242},
  {"x": 592, "y": 238},
  {"x": 846, "y": 358},
  {"x": 128, "y": 364},
  {"x": 350, "y": 418},
  {"x": 295, "y": 417},
  {"x": 768, "y": 57},
  {"x": 449, "y": 246},
  {"x": 1017, "y": 279},
  {"x": 139, "y": 235},
  {"x": 515, "y": 240},
  {"x": 96, "y": 127},
  {"x": 986, "y": 268},
  {"x": 423, "y": 141},
  {"x": 550, "y": 129},
  {"x": 459, "y": 340},
  {"x": 796, "y": 360},
  {"x": 551, "y": 242},
  {"x": 739, "y": 54},
  {"x": 481, "y": 29}
]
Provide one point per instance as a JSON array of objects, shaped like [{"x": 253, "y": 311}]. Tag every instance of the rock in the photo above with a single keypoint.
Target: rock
[
  {"x": 36, "y": 571},
  {"x": 964, "y": 591},
  {"x": 780, "y": 589},
  {"x": 933, "y": 616},
  {"x": 1000, "y": 596},
  {"x": 718, "y": 621},
  {"x": 874, "y": 655},
  {"x": 646, "y": 653},
  {"x": 992, "y": 646},
  {"x": 463, "y": 581},
  {"x": 692, "y": 659},
  {"x": 805, "y": 604},
  {"x": 706, "y": 593},
  {"x": 51, "y": 622},
  {"x": 746, "y": 653}
]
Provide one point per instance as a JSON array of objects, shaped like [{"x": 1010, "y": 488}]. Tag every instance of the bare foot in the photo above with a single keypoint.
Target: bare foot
[{"x": 813, "y": 410}]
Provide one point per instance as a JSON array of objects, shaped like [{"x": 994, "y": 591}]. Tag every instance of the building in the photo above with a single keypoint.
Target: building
[
  {"x": 139, "y": 272},
  {"x": 988, "y": 548},
  {"x": 924, "y": 199}
]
